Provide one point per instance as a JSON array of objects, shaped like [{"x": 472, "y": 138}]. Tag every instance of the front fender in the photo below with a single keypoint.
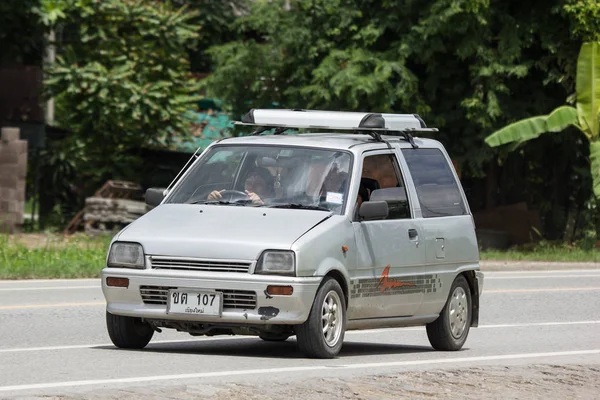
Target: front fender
[{"x": 335, "y": 268}]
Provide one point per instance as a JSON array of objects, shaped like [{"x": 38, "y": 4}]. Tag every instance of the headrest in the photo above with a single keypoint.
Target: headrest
[{"x": 389, "y": 194}]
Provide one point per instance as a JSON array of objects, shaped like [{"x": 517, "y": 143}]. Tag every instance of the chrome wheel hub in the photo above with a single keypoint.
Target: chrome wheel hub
[
  {"x": 332, "y": 318},
  {"x": 458, "y": 312}
]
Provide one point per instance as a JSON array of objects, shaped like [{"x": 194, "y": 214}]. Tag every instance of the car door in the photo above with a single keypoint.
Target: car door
[
  {"x": 448, "y": 234},
  {"x": 384, "y": 282}
]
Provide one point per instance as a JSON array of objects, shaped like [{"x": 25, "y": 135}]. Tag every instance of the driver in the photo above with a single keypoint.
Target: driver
[{"x": 258, "y": 186}]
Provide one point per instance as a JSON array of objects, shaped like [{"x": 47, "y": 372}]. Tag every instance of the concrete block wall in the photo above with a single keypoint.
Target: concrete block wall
[{"x": 13, "y": 171}]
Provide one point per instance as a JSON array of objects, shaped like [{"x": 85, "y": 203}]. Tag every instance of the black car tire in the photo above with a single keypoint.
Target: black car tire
[
  {"x": 310, "y": 336},
  {"x": 274, "y": 337},
  {"x": 128, "y": 332},
  {"x": 450, "y": 330}
]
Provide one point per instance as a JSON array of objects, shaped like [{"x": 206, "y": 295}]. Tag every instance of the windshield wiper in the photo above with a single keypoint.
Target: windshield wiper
[
  {"x": 299, "y": 206},
  {"x": 218, "y": 202}
]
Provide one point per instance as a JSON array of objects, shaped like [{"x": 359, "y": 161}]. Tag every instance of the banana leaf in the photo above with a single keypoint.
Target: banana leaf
[
  {"x": 531, "y": 128},
  {"x": 588, "y": 89},
  {"x": 595, "y": 166}
]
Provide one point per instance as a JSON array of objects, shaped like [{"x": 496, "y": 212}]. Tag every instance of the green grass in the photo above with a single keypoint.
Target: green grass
[
  {"x": 544, "y": 253},
  {"x": 82, "y": 256},
  {"x": 56, "y": 257}
]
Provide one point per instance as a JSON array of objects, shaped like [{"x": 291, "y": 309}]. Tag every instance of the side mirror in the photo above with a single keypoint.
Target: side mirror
[
  {"x": 371, "y": 210},
  {"x": 154, "y": 196}
]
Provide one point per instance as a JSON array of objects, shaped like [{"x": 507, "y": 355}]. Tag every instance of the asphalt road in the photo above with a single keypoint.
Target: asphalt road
[{"x": 53, "y": 341}]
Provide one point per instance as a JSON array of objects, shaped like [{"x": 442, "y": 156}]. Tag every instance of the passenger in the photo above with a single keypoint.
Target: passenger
[
  {"x": 363, "y": 195},
  {"x": 366, "y": 186},
  {"x": 258, "y": 186}
]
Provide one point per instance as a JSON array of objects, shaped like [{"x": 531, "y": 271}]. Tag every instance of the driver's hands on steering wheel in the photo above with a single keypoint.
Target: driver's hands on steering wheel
[
  {"x": 215, "y": 195},
  {"x": 254, "y": 197}
]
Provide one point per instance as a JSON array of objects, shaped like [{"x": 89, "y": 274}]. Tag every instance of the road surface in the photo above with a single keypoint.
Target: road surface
[{"x": 533, "y": 325}]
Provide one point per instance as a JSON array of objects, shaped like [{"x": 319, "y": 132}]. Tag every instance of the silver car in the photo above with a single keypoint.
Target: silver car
[{"x": 302, "y": 234}]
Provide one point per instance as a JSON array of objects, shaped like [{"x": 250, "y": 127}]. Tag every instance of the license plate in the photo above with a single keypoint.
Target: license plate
[{"x": 192, "y": 302}]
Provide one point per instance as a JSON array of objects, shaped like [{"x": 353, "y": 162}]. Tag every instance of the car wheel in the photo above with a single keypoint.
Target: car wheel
[
  {"x": 128, "y": 332},
  {"x": 449, "y": 332},
  {"x": 274, "y": 337},
  {"x": 322, "y": 335}
]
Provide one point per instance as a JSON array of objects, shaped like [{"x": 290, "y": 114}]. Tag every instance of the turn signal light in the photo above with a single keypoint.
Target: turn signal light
[
  {"x": 280, "y": 290},
  {"x": 118, "y": 282}
]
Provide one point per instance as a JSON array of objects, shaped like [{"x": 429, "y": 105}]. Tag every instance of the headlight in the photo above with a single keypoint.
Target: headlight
[
  {"x": 276, "y": 262},
  {"x": 126, "y": 255}
]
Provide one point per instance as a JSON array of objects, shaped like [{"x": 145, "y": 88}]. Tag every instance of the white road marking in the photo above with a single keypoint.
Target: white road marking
[
  {"x": 486, "y": 278},
  {"x": 47, "y": 288},
  {"x": 241, "y": 337},
  {"x": 522, "y": 325},
  {"x": 293, "y": 369},
  {"x": 8, "y": 282},
  {"x": 540, "y": 324},
  {"x": 492, "y": 275},
  {"x": 91, "y": 346},
  {"x": 94, "y": 303},
  {"x": 568, "y": 289},
  {"x": 578, "y": 289},
  {"x": 543, "y": 272}
]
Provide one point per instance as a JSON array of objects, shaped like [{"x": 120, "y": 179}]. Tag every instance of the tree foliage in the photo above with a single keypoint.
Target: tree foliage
[
  {"x": 586, "y": 18},
  {"x": 122, "y": 76},
  {"x": 585, "y": 116},
  {"x": 216, "y": 19},
  {"x": 21, "y": 34},
  {"x": 467, "y": 66},
  {"x": 121, "y": 81}
]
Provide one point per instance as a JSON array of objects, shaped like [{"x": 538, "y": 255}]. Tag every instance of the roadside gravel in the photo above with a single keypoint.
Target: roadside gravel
[
  {"x": 544, "y": 381},
  {"x": 539, "y": 382}
]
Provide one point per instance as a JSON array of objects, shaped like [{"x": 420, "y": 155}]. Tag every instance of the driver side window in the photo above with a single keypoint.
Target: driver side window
[
  {"x": 218, "y": 172},
  {"x": 381, "y": 180}
]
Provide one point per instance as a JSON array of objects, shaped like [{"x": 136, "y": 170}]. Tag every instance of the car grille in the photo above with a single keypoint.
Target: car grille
[
  {"x": 232, "y": 299},
  {"x": 199, "y": 265}
]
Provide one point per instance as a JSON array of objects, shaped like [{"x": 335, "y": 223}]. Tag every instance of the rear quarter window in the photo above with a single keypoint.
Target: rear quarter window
[{"x": 437, "y": 189}]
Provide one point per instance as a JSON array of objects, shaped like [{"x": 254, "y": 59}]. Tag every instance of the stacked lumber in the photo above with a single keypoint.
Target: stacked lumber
[
  {"x": 115, "y": 205},
  {"x": 106, "y": 214}
]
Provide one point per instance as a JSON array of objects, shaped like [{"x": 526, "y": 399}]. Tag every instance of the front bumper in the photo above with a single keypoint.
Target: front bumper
[{"x": 272, "y": 309}]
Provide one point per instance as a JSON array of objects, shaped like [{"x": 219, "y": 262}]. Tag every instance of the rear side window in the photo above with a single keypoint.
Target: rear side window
[{"x": 437, "y": 189}]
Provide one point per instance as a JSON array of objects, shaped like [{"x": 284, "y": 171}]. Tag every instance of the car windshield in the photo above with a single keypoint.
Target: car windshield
[{"x": 268, "y": 176}]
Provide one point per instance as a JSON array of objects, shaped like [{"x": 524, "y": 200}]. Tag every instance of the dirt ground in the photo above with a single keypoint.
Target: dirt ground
[{"x": 497, "y": 382}]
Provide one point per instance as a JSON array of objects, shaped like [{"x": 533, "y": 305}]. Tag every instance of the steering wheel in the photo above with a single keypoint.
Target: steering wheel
[{"x": 233, "y": 195}]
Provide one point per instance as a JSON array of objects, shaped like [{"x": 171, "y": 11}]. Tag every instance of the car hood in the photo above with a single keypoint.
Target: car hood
[{"x": 219, "y": 232}]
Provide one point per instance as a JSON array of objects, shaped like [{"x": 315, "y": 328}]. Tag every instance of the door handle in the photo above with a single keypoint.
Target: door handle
[{"x": 412, "y": 233}]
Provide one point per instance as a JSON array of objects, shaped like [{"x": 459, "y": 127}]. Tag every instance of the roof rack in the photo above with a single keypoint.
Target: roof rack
[{"x": 374, "y": 124}]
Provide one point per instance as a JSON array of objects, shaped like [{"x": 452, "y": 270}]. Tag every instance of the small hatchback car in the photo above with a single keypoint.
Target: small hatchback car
[{"x": 304, "y": 234}]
